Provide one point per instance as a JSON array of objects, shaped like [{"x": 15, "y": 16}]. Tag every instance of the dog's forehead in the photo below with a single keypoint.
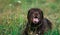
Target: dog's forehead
[{"x": 36, "y": 12}]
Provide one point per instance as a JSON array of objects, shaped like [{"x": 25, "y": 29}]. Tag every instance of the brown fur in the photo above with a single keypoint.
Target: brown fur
[{"x": 42, "y": 26}]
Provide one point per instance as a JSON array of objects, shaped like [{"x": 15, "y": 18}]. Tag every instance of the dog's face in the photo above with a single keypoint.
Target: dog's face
[{"x": 35, "y": 15}]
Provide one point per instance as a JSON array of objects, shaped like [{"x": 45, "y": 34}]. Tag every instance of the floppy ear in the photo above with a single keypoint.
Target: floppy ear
[
  {"x": 41, "y": 14},
  {"x": 28, "y": 15}
]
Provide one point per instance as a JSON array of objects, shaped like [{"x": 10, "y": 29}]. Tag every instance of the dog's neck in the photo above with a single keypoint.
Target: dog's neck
[{"x": 33, "y": 27}]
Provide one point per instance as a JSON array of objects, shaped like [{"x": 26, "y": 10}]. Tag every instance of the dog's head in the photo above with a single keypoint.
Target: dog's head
[{"x": 35, "y": 15}]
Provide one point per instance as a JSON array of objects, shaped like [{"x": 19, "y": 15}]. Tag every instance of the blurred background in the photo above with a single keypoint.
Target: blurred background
[{"x": 13, "y": 15}]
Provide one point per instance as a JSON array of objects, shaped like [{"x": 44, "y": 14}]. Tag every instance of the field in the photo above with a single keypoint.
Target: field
[{"x": 13, "y": 15}]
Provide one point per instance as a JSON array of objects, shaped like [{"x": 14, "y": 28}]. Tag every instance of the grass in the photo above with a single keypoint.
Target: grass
[{"x": 13, "y": 15}]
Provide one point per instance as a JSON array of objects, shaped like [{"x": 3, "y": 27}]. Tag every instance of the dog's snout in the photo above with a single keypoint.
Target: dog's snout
[{"x": 36, "y": 17}]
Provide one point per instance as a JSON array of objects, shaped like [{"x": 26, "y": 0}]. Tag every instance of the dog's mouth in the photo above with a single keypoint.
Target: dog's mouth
[{"x": 35, "y": 20}]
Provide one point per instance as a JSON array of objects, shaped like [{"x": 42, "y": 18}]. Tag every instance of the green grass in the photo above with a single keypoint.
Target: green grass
[{"x": 13, "y": 15}]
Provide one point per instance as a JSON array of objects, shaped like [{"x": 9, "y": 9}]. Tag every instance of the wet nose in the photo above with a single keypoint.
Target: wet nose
[{"x": 35, "y": 17}]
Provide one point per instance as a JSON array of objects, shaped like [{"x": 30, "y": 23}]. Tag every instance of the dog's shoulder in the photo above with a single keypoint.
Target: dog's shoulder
[{"x": 47, "y": 22}]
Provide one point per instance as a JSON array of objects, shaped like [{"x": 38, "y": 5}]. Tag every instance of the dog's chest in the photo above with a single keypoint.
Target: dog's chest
[
  {"x": 35, "y": 32},
  {"x": 32, "y": 33}
]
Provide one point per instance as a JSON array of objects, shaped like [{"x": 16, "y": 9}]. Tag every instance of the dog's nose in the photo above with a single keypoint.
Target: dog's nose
[{"x": 36, "y": 17}]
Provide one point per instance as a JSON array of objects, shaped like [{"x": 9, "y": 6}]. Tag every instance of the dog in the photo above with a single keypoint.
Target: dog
[{"x": 37, "y": 24}]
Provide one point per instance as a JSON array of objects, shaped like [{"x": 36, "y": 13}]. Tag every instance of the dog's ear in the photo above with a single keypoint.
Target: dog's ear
[
  {"x": 41, "y": 14},
  {"x": 29, "y": 12},
  {"x": 28, "y": 15}
]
